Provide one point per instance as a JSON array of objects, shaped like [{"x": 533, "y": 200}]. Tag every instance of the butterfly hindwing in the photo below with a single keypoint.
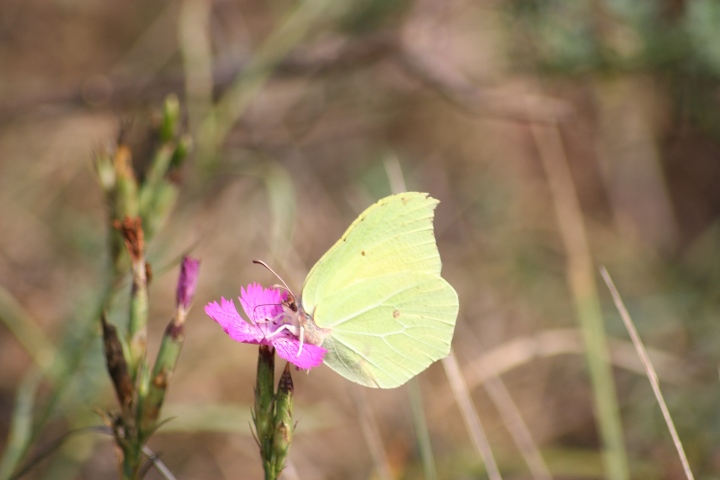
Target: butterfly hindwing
[{"x": 405, "y": 328}]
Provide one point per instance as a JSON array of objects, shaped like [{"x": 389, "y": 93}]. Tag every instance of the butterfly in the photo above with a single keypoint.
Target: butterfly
[{"x": 376, "y": 301}]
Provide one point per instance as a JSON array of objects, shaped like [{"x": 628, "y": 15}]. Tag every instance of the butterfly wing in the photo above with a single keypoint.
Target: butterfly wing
[
  {"x": 394, "y": 233},
  {"x": 388, "y": 329},
  {"x": 380, "y": 292}
]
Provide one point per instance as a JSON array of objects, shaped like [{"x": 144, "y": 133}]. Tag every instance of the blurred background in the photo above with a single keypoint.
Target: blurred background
[{"x": 558, "y": 136}]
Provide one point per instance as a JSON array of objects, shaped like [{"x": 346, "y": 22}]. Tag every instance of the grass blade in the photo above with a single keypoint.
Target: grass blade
[
  {"x": 581, "y": 280},
  {"x": 421, "y": 430},
  {"x": 21, "y": 423}
]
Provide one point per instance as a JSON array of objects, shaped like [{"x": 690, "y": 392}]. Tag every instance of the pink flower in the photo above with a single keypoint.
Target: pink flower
[{"x": 264, "y": 309}]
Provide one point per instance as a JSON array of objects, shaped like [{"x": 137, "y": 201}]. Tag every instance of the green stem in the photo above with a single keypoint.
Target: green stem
[
  {"x": 162, "y": 371},
  {"x": 581, "y": 279},
  {"x": 137, "y": 327},
  {"x": 125, "y": 193},
  {"x": 282, "y": 436},
  {"x": 132, "y": 459},
  {"x": 263, "y": 413},
  {"x": 20, "y": 434}
]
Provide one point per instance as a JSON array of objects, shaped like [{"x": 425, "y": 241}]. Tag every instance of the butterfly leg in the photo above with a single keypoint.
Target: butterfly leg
[
  {"x": 302, "y": 338},
  {"x": 290, "y": 328},
  {"x": 296, "y": 330}
]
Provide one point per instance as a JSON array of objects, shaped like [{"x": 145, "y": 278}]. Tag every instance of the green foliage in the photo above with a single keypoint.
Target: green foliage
[
  {"x": 701, "y": 24},
  {"x": 569, "y": 37}
]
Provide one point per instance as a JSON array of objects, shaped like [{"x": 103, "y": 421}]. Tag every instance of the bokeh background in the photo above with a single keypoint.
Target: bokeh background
[{"x": 559, "y": 137}]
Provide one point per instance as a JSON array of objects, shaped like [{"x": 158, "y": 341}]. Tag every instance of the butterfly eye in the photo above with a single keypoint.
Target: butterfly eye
[{"x": 290, "y": 302}]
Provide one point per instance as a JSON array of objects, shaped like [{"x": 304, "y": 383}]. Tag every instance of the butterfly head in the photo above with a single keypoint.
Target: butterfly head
[
  {"x": 301, "y": 322},
  {"x": 290, "y": 303}
]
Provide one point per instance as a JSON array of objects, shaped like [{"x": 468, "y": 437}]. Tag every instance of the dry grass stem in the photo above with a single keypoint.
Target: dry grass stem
[
  {"x": 521, "y": 351},
  {"x": 162, "y": 469},
  {"x": 472, "y": 420},
  {"x": 422, "y": 434},
  {"x": 514, "y": 422},
  {"x": 581, "y": 279},
  {"x": 372, "y": 436},
  {"x": 517, "y": 427},
  {"x": 394, "y": 172},
  {"x": 650, "y": 371},
  {"x": 27, "y": 331},
  {"x": 475, "y": 101},
  {"x": 196, "y": 50}
]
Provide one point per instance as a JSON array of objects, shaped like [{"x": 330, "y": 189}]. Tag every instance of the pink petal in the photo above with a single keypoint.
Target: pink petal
[
  {"x": 264, "y": 307},
  {"x": 232, "y": 323},
  {"x": 287, "y": 348},
  {"x": 261, "y": 305}
]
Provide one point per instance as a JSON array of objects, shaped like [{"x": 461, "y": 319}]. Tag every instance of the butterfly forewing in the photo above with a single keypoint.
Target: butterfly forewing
[{"x": 393, "y": 235}]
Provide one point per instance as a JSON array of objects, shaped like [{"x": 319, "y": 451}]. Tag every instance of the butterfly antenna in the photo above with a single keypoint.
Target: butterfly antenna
[
  {"x": 260, "y": 262},
  {"x": 282, "y": 287},
  {"x": 290, "y": 301}
]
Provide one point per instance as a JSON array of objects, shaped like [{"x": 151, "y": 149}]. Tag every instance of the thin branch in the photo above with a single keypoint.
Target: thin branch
[
  {"x": 158, "y": 464},
  {"x": 484, "y": 101},
  {"x": 122, "y": 89},
  {"x": 337, "y": 54},
  {"x": 568, "y": 341}
]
